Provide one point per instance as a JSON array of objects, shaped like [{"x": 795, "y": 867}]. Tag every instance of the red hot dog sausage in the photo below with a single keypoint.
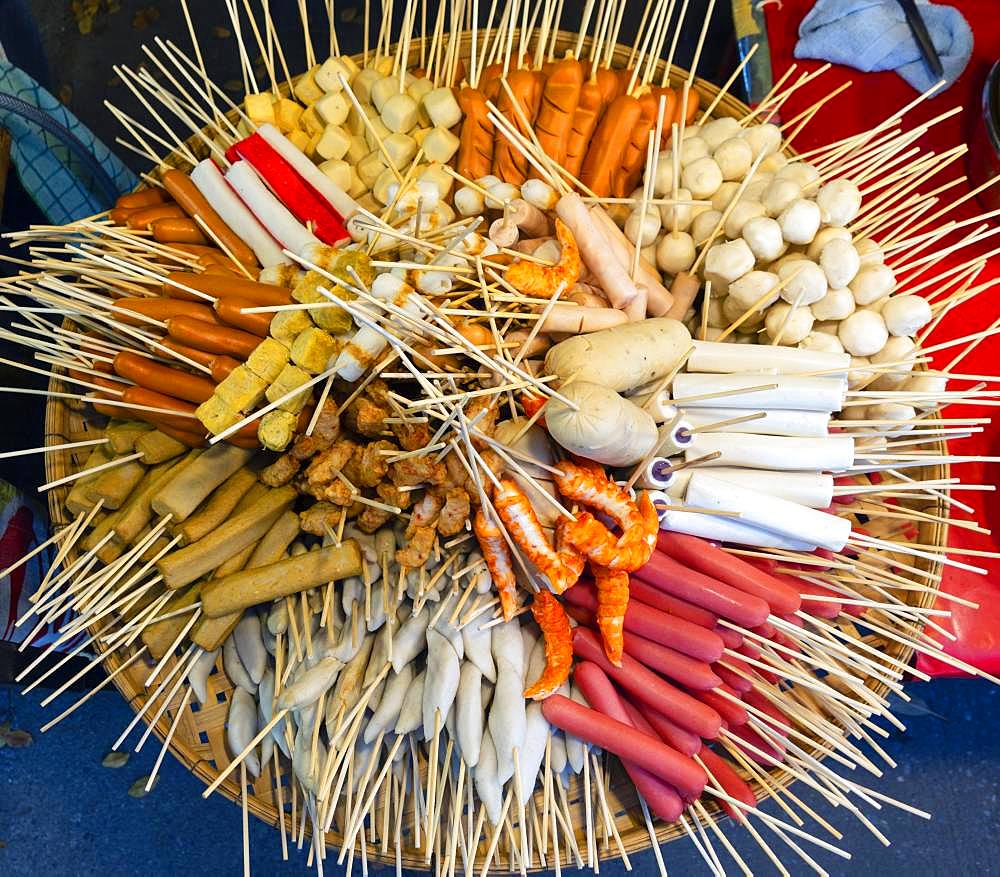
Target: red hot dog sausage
[
  {"x": 163, "y": 379},
  {"x": 212, "y": 339}
]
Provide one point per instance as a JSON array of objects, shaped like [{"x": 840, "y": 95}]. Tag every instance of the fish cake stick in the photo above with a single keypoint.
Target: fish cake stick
[
  {"x": 217, "y": 507},
  {"x": 182, "y": 567},
  {"x": 282, "y": 579},
  {"x": 184, "y": 493}
]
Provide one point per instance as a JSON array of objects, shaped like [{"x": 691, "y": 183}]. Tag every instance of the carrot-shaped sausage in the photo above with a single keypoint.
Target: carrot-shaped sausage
[
  {"x": 509, "y": 164},
  {"x": 624, "y": 78},
  {"x": 609, "y": 143},
  {"x": 162, "y": 378},
  {"x": 227, "y": 287},
  {"x": 230, "y": 312},
  {"x": 187, "y": 195},
  {"x": 489, "y": 81},
  {"x": 585, "y": 119},
  {"x": 647, "y": 686},
  {"x": 142, "y": 198},
  {"x": 179, "y": 231},
  {"x": 560, "y": 97},
  {"x": 601, "y": 695},
  {"x": 707, "y": 558},
  {"x": 475, "y": 149},
  {"x": 150, "y": 398},
  {"x": 669, "y": 109},
  {"x": 609, "y": 85},
  {"x": 146, "y": 216},
  {"x": 691, "y": 110},
  {"x": 163, "y": 309},
  {"x": 222, "y": 367},
  {"x": 626, "y": 742},
  {"x": 198, "y": 356},
  {"x": 212, "y": 339},
  {"x": 633, "y": 159}
]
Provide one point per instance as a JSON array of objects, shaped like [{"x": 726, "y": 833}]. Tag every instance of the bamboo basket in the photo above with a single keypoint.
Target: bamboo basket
[{"x": 199, "y": 741}]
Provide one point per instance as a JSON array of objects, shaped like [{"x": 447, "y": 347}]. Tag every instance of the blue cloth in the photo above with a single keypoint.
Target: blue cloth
[
  {"x": 873, "y": 35},
  {"x": 49, "y": 171}
]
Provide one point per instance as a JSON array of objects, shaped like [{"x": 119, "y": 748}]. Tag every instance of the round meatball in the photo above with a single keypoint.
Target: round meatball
[
  {"x": 906, "y": 314},
  {"x": 840, "y": 262},
  {"x": 787, "y": 325},
  {"x": 702, "y": 177},
  {"x": 805, "y": 282},
  {"x": 839, "y": 202},
  {"x": 763, "y": 236},
  {"x": 734, "y": 157},
  {"x": 799, "y": 221},
  {"x": 863, "y": 333}
]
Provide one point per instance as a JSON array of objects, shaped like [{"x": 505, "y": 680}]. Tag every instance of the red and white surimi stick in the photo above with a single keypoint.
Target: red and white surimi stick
[
  {"x": 626, "y": 742},
  {"x": 675, "y": 578},
  {"x": 343, "y": 203},
  {"x": 645, "y": 685},
  {"x": 713, "y": 561},
  {"x": 212, "y": 184},
  {"x": 770, "y": 512},
  {"x": 270, "y": 212},
  {"x": 601, "y": 695}
]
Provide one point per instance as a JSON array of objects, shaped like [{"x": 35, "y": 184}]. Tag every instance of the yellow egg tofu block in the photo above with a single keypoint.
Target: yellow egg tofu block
[
  {"x": 277, "y": 428},
  {"x": 312, "y": 350},
  {"x": 242, "y": 390},
  {"x": 286, "y": 326},
  {"x": 260, "y": 108},
  {"x": 287, "y": 114},
  {"x": 216, "y": 416},
  {"x": 291, "y": 378},
  {"x": 271, "y": 356}
]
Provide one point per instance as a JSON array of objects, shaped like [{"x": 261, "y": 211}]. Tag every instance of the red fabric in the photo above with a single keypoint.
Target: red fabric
[{"x": 872, "y": 98}]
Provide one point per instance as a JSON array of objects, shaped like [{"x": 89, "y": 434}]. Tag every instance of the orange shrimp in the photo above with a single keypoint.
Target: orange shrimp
[
  {"x": 572, "y": 560},
  {"x": 592, "y": 539},
  {"x": 552, "y": 619},
  {"x": 524, "y": 528},
  {"x": 498, "y": 560},
  {"x": 612, "y": 601},
  {"x": 591, "y": 487},
  {"x": 542, "y": 281}
]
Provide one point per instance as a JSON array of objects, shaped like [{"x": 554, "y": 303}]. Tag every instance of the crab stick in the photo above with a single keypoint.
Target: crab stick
[{"x": 271, "y": 213}]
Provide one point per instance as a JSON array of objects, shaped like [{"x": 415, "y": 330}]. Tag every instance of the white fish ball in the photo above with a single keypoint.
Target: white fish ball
[
  {"x": 863, "y": 333},
  {"x": 704, "y": 224},
  {"x": 801, "y": 172},
  {"x": 872, "y": 284},
  {"x": 749, "y": 289},
  {"x": 734, "y": 157},
  {"x": 799, "y": 221},
  {"x": 898, "y": 349},
  {"x": 689, "y": 130},
  {"x": 684, "y": 212},
  {"x": 929, "y": 385},
  {"x": 712, "y": 333},
  {"x": 780, "y": 194},
  {"x": 719, "y": 130},
  {"x": 763, "y": 235},
  {"x": 469, "y": 201},
  {"x": 827, "y": 327},
  {"x": 840, "y": 262},
  {"x": 788, "y": 325},
  {"x": 539, "y": 194},
  {"x": 716, "y": 317},
  {"x": 733, "y": 310},
  {"x": 757, "y": 187},
  {"x": 500, "y": 194},
  {"x": 702, "y": 177},
  {"x": 837, "y": 304},
  {"x": 857, "y": 375},
  {"x": 643, "y": 229},
  {"x": 763, "y": 138},
  {"x": 663, "y": 175},
  {"x": 823, "y": 237},
  {"x": 822, "y": 342},
  {"x": 724, "y": 195},
  {"x": 870, "y": 252},
  {"x": 890, "y": 411},
  {"x": 675, "y": 252},
  {"x": 839, "y": 202},
  {"x": 691, "y": 150},
  {"x": 906, "y": 314},
  {"x": 742, "y": 213},
  {"x": 728, "y": 261},
  {"x": 790, "y": 256},
  {"x": 806, "y": 282},
  {"x": 773, "y": 163}
]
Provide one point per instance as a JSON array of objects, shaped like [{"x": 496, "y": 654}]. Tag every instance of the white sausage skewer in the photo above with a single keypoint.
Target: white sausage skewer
[
  {"x": 784, "y": 453},
  {"x": 723, "y": 529},
  {"x": 715, "y": 356},
  {"x": 791, "y": 392}
]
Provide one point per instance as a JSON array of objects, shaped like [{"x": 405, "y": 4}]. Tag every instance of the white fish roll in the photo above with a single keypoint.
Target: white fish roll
[
  {"x": 770, "y": 512},
  {"x": 791, "y": 392},
  {"x": 271, "y": 213},
  {"x": 656, "y": 474},
  {"x": 715, "y": 356},
  {"x": 469, "y": 714},
  {"x": 784, "y": 453},
  {"x": 531, "y": 755},
  {"x": 210, "y": 182},
  {"x": 441, "y": 684},
  {"x": 674, "y": 437},
  {"x": 489, "y": 787},
  {"x": 812, "y": 424},
  {"x": 720, "y": 529},
  {"x": 812, "y": 489}
]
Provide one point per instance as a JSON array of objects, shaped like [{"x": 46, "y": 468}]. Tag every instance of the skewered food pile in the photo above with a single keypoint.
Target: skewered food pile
[{"x": 425, "y": 442}]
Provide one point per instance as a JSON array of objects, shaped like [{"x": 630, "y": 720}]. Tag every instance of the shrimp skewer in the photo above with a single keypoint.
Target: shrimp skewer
[
  {"x": 554, "y": 623},
  {"x": 612, "y": 601},
  {"x": 543, "y": 280},
  {"x": 498, "y": 560}
]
